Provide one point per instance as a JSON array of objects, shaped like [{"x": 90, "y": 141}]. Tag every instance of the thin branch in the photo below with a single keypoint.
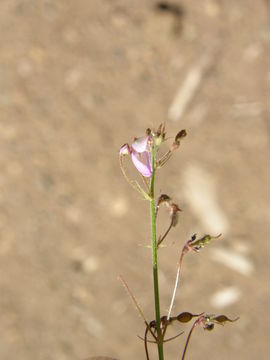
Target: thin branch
[
  {"x": 145, "y": 343},
  {"x": 136, "y": 305},
  {"x": 133, "y": 299},
  {"x": 166, "y": 233},
  {"x": 173, "y": 337},
  {"x": 164, "y": 159},
  {"x": 176, "y": 283},
  {"x": 133, "y": 183},
  {"x": 146, "y": 184},
  {"x": 164, "y": 341},
  {"x": 188, "y": 338}
]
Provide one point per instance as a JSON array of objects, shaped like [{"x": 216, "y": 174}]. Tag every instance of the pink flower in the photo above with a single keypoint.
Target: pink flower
[{"x": 140, "y": 155}]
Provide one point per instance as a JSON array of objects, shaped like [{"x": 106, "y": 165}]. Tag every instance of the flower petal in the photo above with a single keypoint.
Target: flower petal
[
  {"x": 124, "y": 150},
  {"x": 142, "y": 163},
  {"x": 140, "y": 144}
]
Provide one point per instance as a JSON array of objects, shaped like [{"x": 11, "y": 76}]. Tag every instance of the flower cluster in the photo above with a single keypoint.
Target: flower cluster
[
  {"x": 143, "y": 152},
  {"x": 140, "y": 155}
]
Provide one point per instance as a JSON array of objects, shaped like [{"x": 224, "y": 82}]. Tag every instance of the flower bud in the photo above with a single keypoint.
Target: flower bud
[{"x": 159, "y": 135}]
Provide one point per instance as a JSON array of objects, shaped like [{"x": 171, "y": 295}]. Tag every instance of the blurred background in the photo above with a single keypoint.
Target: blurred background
[{"x": 77, "y": 80}]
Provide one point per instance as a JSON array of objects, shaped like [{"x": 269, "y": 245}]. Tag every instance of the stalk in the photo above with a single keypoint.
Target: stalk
[
  {"x": 188, "y": 339},
  {"x": 154, "y": 258}
]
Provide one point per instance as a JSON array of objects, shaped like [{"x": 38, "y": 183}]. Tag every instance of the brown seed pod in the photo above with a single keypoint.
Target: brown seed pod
[{"x": 185, "y": 317}]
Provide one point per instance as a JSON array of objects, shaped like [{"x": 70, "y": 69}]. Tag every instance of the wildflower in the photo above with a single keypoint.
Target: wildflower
[{"x": 140, "y": 155}]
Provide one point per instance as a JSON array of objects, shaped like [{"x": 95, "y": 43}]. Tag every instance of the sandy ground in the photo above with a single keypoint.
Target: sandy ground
[{"x": 77, "y": 80}]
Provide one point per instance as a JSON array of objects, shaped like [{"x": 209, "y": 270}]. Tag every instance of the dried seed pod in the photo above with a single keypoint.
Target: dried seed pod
[
  {"x": 174, "y": 209},
  {"x": 221, "y": 319},
  {"x": 180, "y": 136},
  {"x": 178, "y": 139},
  {"x": 164, "y": 199},
  {"x": 185, "y": 317}
]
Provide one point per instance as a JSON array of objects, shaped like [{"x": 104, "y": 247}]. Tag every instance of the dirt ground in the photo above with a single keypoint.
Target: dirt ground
[{"x": 77, "y": 80}]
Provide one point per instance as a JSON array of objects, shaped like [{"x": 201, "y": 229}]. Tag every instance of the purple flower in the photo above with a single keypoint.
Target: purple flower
[{"x": 140, "y": 155}]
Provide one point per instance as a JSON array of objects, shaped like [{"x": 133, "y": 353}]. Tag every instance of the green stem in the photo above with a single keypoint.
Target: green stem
[{"x": 155, "y": 261}]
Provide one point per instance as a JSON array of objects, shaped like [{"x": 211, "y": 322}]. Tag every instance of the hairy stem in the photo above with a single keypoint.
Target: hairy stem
[{"x": 155, "y": 260}]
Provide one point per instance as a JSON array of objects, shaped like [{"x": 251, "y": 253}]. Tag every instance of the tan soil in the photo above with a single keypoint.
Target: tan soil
[{"x": 77, "y": 80}]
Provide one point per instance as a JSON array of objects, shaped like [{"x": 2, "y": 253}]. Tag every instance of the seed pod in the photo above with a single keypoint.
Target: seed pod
[
  {"x": 174, "y": 209},
  {"x": 180, "y": 136},
  {"x": 222, "y": 319},
  {"x": 178, "y": 139},
  {"x": 185, "y": 317},
  {"x": 164, "y": 199}
]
